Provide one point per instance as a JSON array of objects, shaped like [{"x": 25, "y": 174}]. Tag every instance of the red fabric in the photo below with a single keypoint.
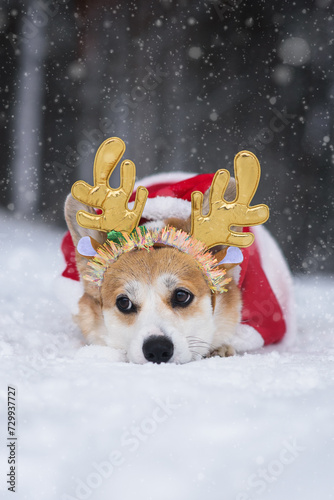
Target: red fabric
[
  {"x": 181, "y": 189},
  {"x": 68, "y": 250},
  {"x": 260, "y": 309}
]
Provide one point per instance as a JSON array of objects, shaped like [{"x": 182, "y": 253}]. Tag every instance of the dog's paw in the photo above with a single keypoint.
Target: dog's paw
[{"x": 223, "y": 351}]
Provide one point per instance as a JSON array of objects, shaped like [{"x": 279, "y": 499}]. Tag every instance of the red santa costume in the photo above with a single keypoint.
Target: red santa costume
[{"x": 266, "y": 285}]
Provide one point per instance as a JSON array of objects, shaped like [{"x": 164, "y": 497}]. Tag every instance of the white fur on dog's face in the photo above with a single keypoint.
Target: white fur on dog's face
[{"x": 150, "y": 281}]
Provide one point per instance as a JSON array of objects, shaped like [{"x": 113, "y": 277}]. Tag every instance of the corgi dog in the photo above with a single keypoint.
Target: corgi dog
[{"x": 156, "y": 303}]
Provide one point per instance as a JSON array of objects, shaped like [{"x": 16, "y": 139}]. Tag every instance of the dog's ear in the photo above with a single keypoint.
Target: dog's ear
[
  {"x": 229, "y": 195},
  {"x": 232, "y": 268},
  {"x": 185, "y": 224},
  {"x": 220, "y": 251},
  {"x": 72, "y": 206}
]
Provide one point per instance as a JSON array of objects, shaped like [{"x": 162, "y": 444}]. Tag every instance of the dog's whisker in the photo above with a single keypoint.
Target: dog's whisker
[
  {"x": 197, "y": 340},
  {"x": 201, "y": 356},
  {"x": 198, "y": 346},
  {"x": 193, "y": 337},
  {"x": 196, "y": 349},
  {"x": 194, "y": 342}
]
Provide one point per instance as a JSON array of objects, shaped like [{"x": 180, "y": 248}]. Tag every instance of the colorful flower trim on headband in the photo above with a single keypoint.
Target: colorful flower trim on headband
[{"x": 142, "y": 238}]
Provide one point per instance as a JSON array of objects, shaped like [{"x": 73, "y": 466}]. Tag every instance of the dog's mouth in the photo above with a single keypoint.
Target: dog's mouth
[{"x": 158, "y": 349}]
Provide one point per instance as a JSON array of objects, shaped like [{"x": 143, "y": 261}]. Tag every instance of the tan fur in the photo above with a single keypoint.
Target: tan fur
[
  {"x": 227, "y": 312},
  {"x": 146, "y": 267},
  {"x": 90, "y": 318}
]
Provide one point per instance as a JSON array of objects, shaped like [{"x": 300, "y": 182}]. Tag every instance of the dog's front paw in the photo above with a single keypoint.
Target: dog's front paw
[{"x": 223, "y": 351}]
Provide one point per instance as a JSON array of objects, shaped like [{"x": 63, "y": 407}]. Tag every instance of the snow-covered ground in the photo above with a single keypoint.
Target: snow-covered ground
[{"x": 258, "y": 426}]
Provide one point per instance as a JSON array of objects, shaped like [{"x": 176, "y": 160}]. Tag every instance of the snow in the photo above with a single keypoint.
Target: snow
[
  {"x": 257, "y": 426},
  {"x": 295, "y": 51}
]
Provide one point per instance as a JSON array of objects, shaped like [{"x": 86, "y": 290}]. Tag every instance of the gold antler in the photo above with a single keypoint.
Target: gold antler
[
  {"x": 214, "y": 228},
  {"x": 113, "y": 202}
]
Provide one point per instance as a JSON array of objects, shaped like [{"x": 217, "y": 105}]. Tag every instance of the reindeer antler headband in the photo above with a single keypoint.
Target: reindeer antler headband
[{"x": 207, "y": 230}]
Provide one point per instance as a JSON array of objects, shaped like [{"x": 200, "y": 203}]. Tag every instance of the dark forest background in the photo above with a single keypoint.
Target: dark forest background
[{"x": 186, "y": 85}]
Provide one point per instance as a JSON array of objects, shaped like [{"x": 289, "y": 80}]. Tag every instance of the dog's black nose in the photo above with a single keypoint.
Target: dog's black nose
[{"x": 158, "y": 349}]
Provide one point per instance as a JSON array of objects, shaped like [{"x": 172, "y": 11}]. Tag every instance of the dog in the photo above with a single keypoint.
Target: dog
[{"x": 156, "y": 305}]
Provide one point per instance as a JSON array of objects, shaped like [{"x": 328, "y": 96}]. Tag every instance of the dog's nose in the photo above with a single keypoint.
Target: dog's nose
[{"x": 158, "y": 349}]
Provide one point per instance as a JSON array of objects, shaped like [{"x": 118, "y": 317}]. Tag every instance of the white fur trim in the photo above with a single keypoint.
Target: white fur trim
[
  {"x": 68, "y": 292},
  {"x": 163, "y": 207},
  {"x": 155, "y": 224},
  {"x": 246, "y": 338},
  {"x": 280, "y": 279}
]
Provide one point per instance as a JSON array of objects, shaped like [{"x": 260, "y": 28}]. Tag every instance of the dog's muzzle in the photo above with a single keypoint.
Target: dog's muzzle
[{"x": 158, "y": 349}]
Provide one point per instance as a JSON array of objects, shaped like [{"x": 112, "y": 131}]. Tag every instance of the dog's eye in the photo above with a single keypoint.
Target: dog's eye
[
  {"x": 124, "y": 304},
  {"x": 181, "y": 298}
]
